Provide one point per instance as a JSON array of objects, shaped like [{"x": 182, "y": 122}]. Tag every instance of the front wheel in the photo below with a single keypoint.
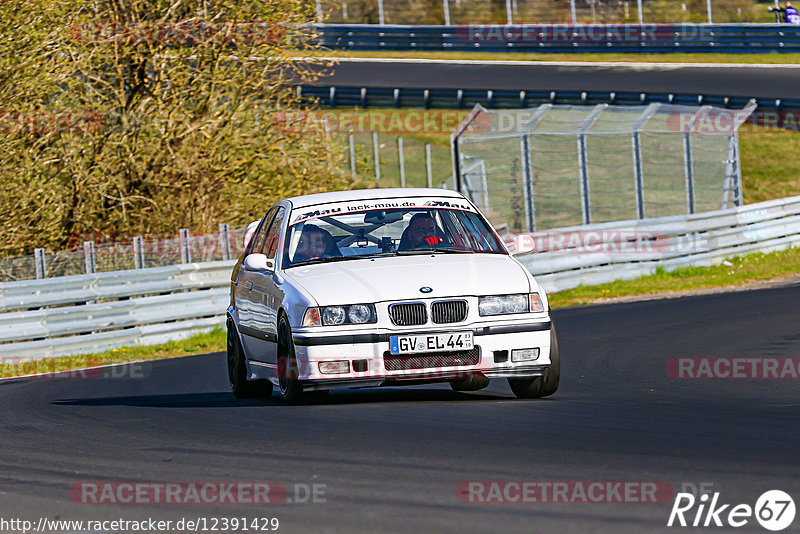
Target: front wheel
[
  {"x": 288, "y": 373},
  {"x": 237, "y": 370},
  {"x": 541, "y": 386}
]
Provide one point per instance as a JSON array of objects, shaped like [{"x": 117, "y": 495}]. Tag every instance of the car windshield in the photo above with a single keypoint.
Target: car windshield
[{"x": 387, "y": 232}]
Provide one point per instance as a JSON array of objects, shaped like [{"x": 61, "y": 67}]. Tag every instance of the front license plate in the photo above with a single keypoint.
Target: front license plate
[{"x": 416, "y": 343}]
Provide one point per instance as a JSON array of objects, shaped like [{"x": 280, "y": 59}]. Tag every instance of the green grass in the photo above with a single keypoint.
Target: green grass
[
  {"x": 737, "y": 271},
  {"x": 211, "y": 341},
  {"x": 770, "y": 166},
  {"x": 768, "y": 58}
]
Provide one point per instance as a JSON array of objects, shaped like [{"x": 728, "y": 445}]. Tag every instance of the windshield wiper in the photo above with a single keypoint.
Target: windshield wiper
[
  {"x": 418, "y": 251},
  {"x": 325, "y": 259}
]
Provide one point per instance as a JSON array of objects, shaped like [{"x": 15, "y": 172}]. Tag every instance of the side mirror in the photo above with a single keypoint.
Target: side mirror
[{"x": 258, "y": 263}]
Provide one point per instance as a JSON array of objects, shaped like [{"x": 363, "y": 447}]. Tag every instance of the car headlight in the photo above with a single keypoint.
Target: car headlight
[
  {"x": 338, "y": 315},
  {"x": 332, "y": 315},
  {"x": 359, "y": 314},
  {"x": 507, "y": 304}
]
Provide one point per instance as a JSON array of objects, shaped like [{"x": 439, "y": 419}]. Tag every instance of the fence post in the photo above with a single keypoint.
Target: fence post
[
  {"x": 138, "y": 252},
  {"x": 527, "y": 184},
  {"x": 39, "y": 261},
  {"x": 638, "y": 172},
  {"x": 446, "y": 7},
  {"x": 351, "y": 141},
  {"x": 183, "y": 240},
  {"x": 428, "y": 169},
  {"x": 377, "y": 155},
  {"x": 401, "y": 160},
  {"x": 89, "y": 257},
  {"x": 583, "y": 163},
  {"x": 224, "y": 239}
]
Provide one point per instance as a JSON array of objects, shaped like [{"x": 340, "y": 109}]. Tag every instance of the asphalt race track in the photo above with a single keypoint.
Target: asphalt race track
[
  {"x": 760, "y": 81},
  {"x": 392, "y": 460}
]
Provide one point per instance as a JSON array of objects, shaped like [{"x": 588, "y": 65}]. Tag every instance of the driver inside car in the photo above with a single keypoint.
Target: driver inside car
[
  {"x": 314, "y": 243},
  {"x": 422, "y": 232}
]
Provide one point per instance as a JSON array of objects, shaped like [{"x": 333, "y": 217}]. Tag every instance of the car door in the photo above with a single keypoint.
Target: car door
[
  {"x": 245, "y": 304},
  {"x": 266, "y": 296}
]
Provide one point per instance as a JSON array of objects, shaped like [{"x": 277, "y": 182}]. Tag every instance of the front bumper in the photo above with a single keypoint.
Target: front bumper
[{"x": 371, "y": 364}]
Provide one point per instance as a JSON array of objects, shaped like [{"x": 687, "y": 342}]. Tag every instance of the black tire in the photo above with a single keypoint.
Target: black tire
[
  {"x": 288, "y": 372},
  {"x": 237, "y": 370},
  {"x": 541, "y": 386},
  {"x": 473, "y": 383}
]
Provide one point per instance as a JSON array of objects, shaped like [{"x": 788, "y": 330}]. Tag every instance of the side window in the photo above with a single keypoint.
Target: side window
[
  {"x": 274, "y": 235},
  {"x": 261, "y": 233}
]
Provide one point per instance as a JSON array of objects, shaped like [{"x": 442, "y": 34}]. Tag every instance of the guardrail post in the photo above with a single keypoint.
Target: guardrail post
[
  {"x": 446, "y": 7},
  {"x": 183, "y": 240},
  {"x": 89, "y": 257},
  {"x": 224, "y": 239},
  {"x": 319, "y": 12},
  {"x": 39, "y": 261},
  {"x": 738, "y": 199},
  {"x": 509, "y": 15},
  {"x": 401, "y": 161},
  {"x": 352, "y": 143},
  {"x": 377, "y": 155},
  {"x": 381, "y": 17},
  {"x": 428, "y": 170},
  {"x": 527, "y": 184},
  {"x": 688, "y": 171},
  {"x": 138, "y": 252}
]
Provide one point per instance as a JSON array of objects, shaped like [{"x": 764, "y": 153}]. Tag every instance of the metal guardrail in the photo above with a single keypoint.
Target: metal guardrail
[
  {"x": 638, "y": 38},
  {"x": 384, "y": 97},
  {"x": 629, "y": 249},
  {"x": 98, "y": 312}
]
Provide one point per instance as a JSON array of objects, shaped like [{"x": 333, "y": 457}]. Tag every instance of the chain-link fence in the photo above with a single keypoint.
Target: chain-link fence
[
  {"x": 385, "y": 160},
  {"x": 457, "y": 12},
  {"x": 556, "y": 166}
]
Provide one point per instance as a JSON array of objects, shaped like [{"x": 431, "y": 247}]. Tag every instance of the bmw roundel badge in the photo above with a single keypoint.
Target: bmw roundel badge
[{"x": 425, "y": 289}]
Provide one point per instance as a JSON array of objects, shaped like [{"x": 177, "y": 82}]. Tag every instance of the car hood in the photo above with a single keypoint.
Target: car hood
[{"x": 401, "y": 277}]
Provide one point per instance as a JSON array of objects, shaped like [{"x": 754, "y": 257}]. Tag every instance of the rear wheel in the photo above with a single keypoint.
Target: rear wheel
[
  {"x": 541, "y": 386},
  {"x": 473, "y": 383},
  {"x": 237, "y": 370},
  {"x": 288, "y": 372}
]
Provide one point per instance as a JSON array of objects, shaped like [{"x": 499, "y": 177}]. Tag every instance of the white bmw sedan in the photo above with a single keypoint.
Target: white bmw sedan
[{"x": 384, "y": 287}]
